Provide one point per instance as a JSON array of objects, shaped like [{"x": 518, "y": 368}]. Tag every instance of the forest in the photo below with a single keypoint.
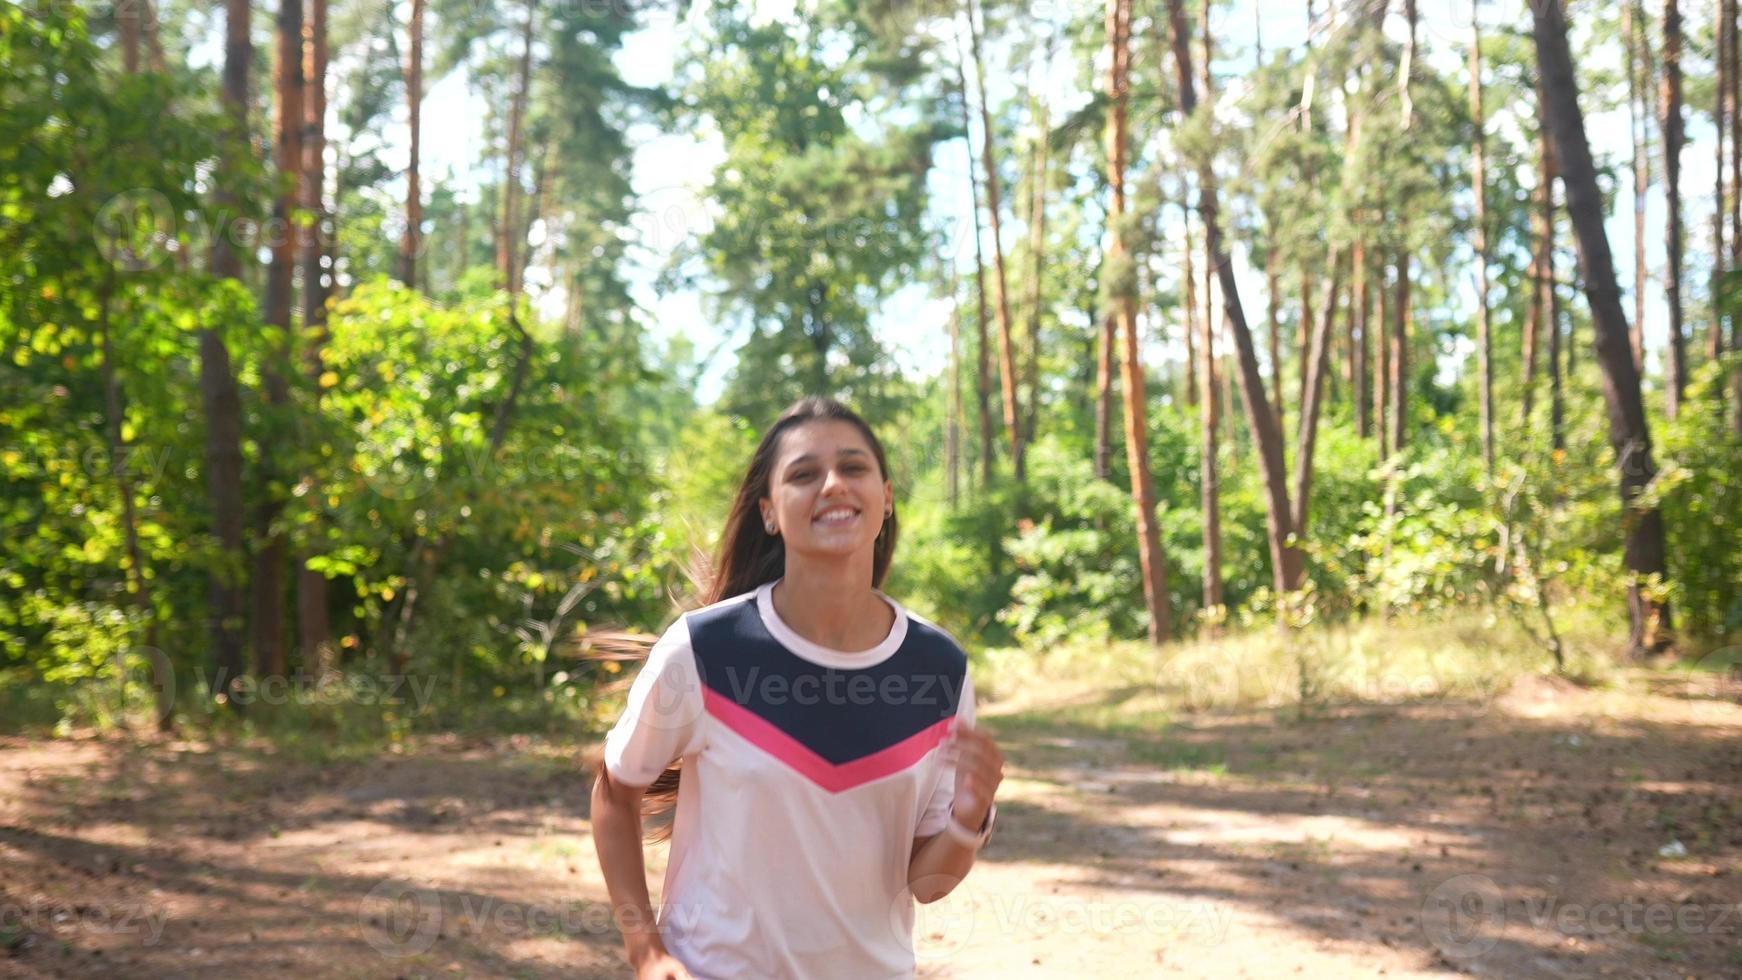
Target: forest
[{"x": 362, "y": 386}]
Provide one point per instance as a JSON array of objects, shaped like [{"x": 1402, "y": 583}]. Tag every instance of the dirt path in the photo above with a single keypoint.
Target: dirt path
[{"x": 1554, "y": 832}]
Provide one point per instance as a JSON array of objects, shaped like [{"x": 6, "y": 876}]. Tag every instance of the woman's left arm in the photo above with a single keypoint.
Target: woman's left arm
[{"x": 940, "y": 862}]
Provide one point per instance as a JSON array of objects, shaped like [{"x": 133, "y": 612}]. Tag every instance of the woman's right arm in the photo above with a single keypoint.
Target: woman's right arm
[{"x": 616, "y": 812}]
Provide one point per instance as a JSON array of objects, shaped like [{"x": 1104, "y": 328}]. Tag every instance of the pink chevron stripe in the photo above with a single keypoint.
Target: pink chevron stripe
[{"x": 834, "y": 778}]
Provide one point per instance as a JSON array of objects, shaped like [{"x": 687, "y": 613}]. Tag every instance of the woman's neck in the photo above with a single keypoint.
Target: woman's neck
[{"x": 832, "y": 604}]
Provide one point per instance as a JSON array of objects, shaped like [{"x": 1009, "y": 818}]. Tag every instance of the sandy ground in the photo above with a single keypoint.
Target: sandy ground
[{"x": 1552, "y": 832}]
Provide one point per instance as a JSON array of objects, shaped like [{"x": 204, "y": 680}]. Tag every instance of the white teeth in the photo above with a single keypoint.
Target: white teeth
[{"x": 836, "y": 515}]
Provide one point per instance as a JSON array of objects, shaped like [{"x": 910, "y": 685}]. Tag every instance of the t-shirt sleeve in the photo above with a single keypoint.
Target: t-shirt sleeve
[
  {"x": 937, "y": 809},
  {"x": 662, "y": 721}
]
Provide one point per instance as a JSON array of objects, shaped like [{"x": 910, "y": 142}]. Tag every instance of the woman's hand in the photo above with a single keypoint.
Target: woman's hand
[{"x": 979, "y": 770}]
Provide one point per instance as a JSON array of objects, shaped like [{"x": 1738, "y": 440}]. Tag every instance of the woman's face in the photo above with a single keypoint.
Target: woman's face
[{"x": 826, "y": 495}]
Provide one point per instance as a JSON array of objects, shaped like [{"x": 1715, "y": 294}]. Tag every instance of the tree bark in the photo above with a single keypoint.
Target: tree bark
[
  {"x": 314, "y": 629},
  {"x": 1358, "y": 339},
  {"x": 1104, "y": 396},
  {"x": 1286, "y": 559},
  {"x": 1399, "y": 360},
  {"x": 220, "y": 400},
  {"x": 127, "y": 16},
  {"x": 1547, "y": 301},
  {"x": 1273, "y": 327},
  {"x": 1311, "y": 404},
  {"x": 1639, "y": 125},
  {"x": 1479, "y": 187},
  {"x": 983, "y": 389},
  {"x": 411, "y": 242},
  {"x": 1382, "y": 363},
  {"x": 1721, "y": 112},
  {"x": 507, "y": 248},
  {"x": 1631, "y": 439},
  {"x": 1209, "y": 482},
  {"x": 1189, "y": 313},
  {"x": 953, "y": 425},
  {"x": 1037, "y": 254},
  {"x": 273, "y": 558},
  {"x": 1006, "y": 349},
  {"x": 1151, "y": 559},
  {"x": 1675, "y": 365}
]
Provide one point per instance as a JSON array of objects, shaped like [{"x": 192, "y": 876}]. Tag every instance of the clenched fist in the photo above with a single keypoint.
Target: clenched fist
[{"x": 979, "y": 769}]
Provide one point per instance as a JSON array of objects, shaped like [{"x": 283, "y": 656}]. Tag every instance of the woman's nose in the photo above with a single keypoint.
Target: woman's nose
[{"x": 833, "y": 479}]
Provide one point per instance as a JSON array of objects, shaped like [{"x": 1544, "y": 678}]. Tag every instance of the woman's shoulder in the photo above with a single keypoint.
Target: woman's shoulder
[{"x": 932, "y": 636}]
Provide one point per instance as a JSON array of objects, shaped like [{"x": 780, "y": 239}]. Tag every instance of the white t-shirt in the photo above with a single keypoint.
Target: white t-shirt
[{"x": 807, "y": 774}]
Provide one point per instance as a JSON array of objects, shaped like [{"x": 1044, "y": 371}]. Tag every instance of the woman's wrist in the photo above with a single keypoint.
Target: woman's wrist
[
  {"x": 642, "y": 946},
  {"x": 969, "y": 828}
]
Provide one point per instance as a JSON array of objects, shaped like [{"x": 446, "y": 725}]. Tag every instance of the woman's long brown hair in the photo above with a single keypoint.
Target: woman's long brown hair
[{"x": 750, "y": 557}]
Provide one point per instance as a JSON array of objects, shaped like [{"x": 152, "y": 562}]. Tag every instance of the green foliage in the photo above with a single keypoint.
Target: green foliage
[
  {"x": 1079, "y": 570},
  {"x": 817, "y": 221},
  {"x": 1699, "y": 486},
  {"x": 411, "y": 397}
]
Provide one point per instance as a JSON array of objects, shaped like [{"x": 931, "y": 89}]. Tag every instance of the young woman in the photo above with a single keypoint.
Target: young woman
[{"x": 831, "y": 773}]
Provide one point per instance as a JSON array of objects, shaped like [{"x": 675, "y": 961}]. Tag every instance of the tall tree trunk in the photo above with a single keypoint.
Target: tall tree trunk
[
  {"x": 411, "y": 242},
  {"x": 1189, "y": 312},
  {"x": 1303, "y": 326},
  {"x": 1358, "y": 337},
  {"x": 1037, "y": 255},
  {"x": 983, "y": 382},
  {"x": 1006, "y": 349},
  {"x": 1406, "y": 72},
  {"x": 507, "y": 245},
  {"x": 127, "y": 15},
  {"x": 1399, "y": 361},
  {"x": 1721, "y": 112},
  {"x": 953, "y": 425},
  {"x": 1104, "y": 394},
  {"x": 1733, "y": 111},
  {"x": 1723, "y": 120},
  {"x": 1311, "y": 404},
  {"x": 1399, "y": 397},
  {"x": 1675, "y": 365},
  {"x": 273, "y": 558},
  {"x": 1382, "y": 364},
  {"x": 1479, "y": 186},
  {"x": 1546, "y": 304},
  {"x": 1551, "y": 302},
  {"x": 1209, "y": 482},
  {"x": 220, "y": 401},
  {"x": 1273, "y": 324},
  {"x": 314, "y": 628},
  {"x": 1286, "y": 559},
  {"x": 1151, "y": 559},
  {"x": 1639, "y": 125},
  {"x": 1644, "y": 550},
  {"x": 1537, "y": 317},
  {"x": 153, "y": 37}
]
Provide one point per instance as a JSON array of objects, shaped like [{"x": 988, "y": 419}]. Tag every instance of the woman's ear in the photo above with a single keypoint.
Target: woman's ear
[{"x": 888, "y": 497}]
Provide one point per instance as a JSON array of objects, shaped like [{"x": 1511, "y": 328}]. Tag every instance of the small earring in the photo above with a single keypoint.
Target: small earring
[{"x": 770, "y": 528}]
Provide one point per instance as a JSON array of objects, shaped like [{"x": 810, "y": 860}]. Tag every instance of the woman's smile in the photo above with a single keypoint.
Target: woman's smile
[{"x": 837, "y": 515}]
